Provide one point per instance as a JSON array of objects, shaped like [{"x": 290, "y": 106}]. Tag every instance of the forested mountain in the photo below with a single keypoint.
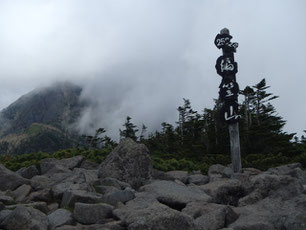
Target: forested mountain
[{"x": 40, "y": 120}]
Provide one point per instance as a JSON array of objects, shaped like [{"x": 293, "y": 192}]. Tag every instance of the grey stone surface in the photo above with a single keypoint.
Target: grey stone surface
[
  {"x": 147, "y": 213},
  {"x": 92, "y": 213},
  {"x": 128, "y": 162},
  {"x": 122, "y": 196},
  {"x": 39, "y": 205},
  {"x": 52, "y": 165},
  {"x": 40, "y": 182},
  {"x": 179, "y": 175},
  {"x": 160, "y": 175},
  {"x": 267, "y": 185},
  {"x": 3, "y": 214},
  {"x": 60, "y": 217},
  {"x": 28, "y": 172},
  {"x": 26, "y": 218},
  {"x": 108, "y": 181},
  {"x": 10, "y": 180},
  {"x": 86, "y": 164},
  {"x": 170, "y": 192},
  {"x": 219, "y": 172},
  {"x": 5, "y": 198},
  {"x": 2, "y": 206},
  {"x": 40, "y": 195},
  {"x": 22, "y": 192},
  {"x": 227, "y": 191},
  {"x": 197, "y": 179},
  {"x": 209, "y": 216},
  {"x": 71, "y": 197}
]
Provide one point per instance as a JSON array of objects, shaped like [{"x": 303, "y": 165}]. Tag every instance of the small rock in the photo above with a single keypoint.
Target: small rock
[
  {"x": 160, "y": 175},
  {"x": 179, "y": 175},
  {"x": 219, "y": 172},
  {"x": 2, "y": 206},
  {"x": 197, "y": 179},
  {"x": 40, "y": 182},
  {"x": 119, "y": 196},
  {"x": 92, "y": 213},
  {"x": 3, "y": 214},
  {"x": 41, "y": 206},
  {"x": 22, "y": 192},
  {"x": 86, "y": 164},
  {"x": 28, "y": 172},
  {"x": 173, "y": 194},
  {"x": 6, "y": 199},
  {"x": 41, "y": 195},
  {"x": 60, "y": 217},
  {"x": 52, "y": 207},
  {"x": 71, "y": 197}
]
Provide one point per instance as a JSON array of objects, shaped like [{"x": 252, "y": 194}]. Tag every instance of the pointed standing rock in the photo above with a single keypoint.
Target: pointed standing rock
[{"x": 128, "y": 162}]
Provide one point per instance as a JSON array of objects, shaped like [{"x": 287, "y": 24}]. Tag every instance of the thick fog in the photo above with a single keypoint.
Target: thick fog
[{"x": 140, "y": 58}]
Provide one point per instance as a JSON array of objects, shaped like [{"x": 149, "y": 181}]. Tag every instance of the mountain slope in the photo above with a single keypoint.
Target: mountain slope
[{"x": 41, "y": 120}]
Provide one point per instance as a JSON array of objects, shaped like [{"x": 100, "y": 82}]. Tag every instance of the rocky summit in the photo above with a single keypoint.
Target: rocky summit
[{"x": 125, "y": 193}]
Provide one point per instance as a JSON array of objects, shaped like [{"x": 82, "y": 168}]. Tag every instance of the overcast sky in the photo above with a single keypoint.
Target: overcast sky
[{"x": 141, "y": 57}]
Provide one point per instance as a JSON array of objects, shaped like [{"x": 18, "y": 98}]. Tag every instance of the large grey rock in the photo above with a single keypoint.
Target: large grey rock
[
  {"x": 293, "y": 170},
  {"x": 147, "y": 213},
  {"x": 10, "y": 180},
  {"x": 267, "y": 185},
  {"x": 71, "y": 197},
  {"x": 22, "y": 192},
  {"x": 25, "y": 218},
  {"x": 128, "y": 162},
  {"x": 60, "y": 217},
  {"x": 28, "y": 172},
  {"x": 227, "y": 191},
  {"x": 173, "y": 194},
  {"x": 92, "y": 213},
  {"x": 272, "y": 213},
  {"x": 208, "y": 216}
]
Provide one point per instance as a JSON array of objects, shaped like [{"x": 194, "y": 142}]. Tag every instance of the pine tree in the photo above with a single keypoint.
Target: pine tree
[{"x": 130, "y": 129}]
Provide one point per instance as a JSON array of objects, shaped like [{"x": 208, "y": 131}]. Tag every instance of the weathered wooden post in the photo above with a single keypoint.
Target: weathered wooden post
[{"x": 227, "y": 68}]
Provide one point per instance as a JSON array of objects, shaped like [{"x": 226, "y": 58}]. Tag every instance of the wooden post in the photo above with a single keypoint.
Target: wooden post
[
  {"x": 235, "y": 146},
  {"x": 230, "y": 95}
]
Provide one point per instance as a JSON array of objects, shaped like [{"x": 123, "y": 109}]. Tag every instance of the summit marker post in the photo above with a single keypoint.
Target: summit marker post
[{"x": 228, "y": 94}]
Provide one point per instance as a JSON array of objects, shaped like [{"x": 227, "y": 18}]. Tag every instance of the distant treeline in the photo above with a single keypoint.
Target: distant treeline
[{"x": 199, "y": 140}]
